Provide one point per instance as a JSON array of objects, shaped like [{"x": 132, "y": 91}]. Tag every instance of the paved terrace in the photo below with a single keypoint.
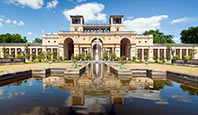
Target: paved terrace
[
  {"x": 162, "y": 67},
  {"x": 22, "y": 67}
]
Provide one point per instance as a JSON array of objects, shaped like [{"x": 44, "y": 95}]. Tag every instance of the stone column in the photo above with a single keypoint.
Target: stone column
[
  {"x": 117, "y": 50},
  {"x": 51, "y": 53},
  {"x": 61, "y": 50},
  {"x": 76, "y": 50},
  {"x": 187, "y": 52},
  {"x": 15, "y": 52},
  {"x": 30, "y": 53},
  {"x": 180, "y": 52},
  {"x": 150, "y": 58},
  {"x": 170, "y": 52},
  {"x": 80, "y": 50},
  {"x": 9, "y": 51},
  {"x": 136, "y": 53},
  {"x": 36, "y": 51},
  {"x": 133, "y": 52},
  {"x": 165, "y": 56},
  {"x": 1, "y": 53}
]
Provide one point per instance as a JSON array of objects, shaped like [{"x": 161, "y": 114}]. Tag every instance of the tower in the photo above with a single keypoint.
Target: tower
[
  {"x": 76, "y": 23},
  {"x": 116, "y": 22}
]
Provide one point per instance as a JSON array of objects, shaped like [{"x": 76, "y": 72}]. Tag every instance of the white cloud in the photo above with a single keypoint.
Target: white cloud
[
  {"x": 8, "y": 21},
  {"x": 179, "y": 20},
  {"x": 142, "y": 24},
  {"x": 52, "y": 4},
  {"x": 90, "y": 11},
  {"x": 14, "y": 22},
  {"x": 30, "y": 33},
  {"x": 21, "y": 23},
  {"x": 35, "y": 4},
  {"x": 1, "y": 19}
]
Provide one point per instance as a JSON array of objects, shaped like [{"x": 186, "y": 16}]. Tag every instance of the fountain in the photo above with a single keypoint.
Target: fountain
[{"x": 97, "y": 41}]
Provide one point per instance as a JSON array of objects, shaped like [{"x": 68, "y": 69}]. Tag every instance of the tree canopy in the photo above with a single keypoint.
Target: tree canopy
[
  {"x": 159, "y": 37},
  {"x": 37, "y": 40},
  {"x": 190, "y": 35},
  {"x": 12, "y": 38}
]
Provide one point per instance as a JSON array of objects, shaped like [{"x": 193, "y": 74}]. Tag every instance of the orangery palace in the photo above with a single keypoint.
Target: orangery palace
[{"x": 92, "y": 38}]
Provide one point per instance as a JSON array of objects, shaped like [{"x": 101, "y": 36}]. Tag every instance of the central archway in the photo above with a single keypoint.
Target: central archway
[
  {"x": 125, "y": 47},
  {"x": 99, "y": 51},
  {"x": 68, "y": 48},
  {"x": 97, "y": 48}
]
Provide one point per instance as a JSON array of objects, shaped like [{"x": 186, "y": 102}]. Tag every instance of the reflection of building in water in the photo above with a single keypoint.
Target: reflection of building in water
[{"x": 110, "y": 86}]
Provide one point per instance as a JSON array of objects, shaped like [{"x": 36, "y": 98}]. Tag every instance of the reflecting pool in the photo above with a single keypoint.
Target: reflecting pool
[{"x": 97, "y": 91}]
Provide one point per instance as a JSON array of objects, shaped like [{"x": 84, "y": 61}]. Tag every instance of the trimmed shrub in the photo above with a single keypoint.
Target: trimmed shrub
[
  {"x": 176, "y": 57},
  {"x": 118, "y": 58},
  {"x": 134, "y": 58},
  {"x": 186, "y": 57}
]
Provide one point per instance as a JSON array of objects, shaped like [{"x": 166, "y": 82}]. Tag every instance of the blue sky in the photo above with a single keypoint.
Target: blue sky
[{"x": 30, "y": 17}]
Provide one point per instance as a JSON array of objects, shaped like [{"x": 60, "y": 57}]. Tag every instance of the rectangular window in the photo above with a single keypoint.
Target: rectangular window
[
  {"x": 76, "y": 21},
  {"x": 117, "y": 20}
]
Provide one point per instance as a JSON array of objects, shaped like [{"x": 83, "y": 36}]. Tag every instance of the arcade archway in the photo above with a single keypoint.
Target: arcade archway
[
  {"x": 125, "y": 47},
  {"x": 68, "y": 48}
]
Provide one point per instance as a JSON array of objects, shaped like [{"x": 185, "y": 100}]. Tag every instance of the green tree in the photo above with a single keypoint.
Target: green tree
[
  {"x": 37, "y": 40},
  {"x": 14, "y": 38},
  {"x": 159, "y": 37},
  {"x": 190, "y": 35},
  {"x": 26, "y": 49}
]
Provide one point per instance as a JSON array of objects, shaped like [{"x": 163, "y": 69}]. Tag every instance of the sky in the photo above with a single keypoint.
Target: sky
[{"x": 31, "y": 17}]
